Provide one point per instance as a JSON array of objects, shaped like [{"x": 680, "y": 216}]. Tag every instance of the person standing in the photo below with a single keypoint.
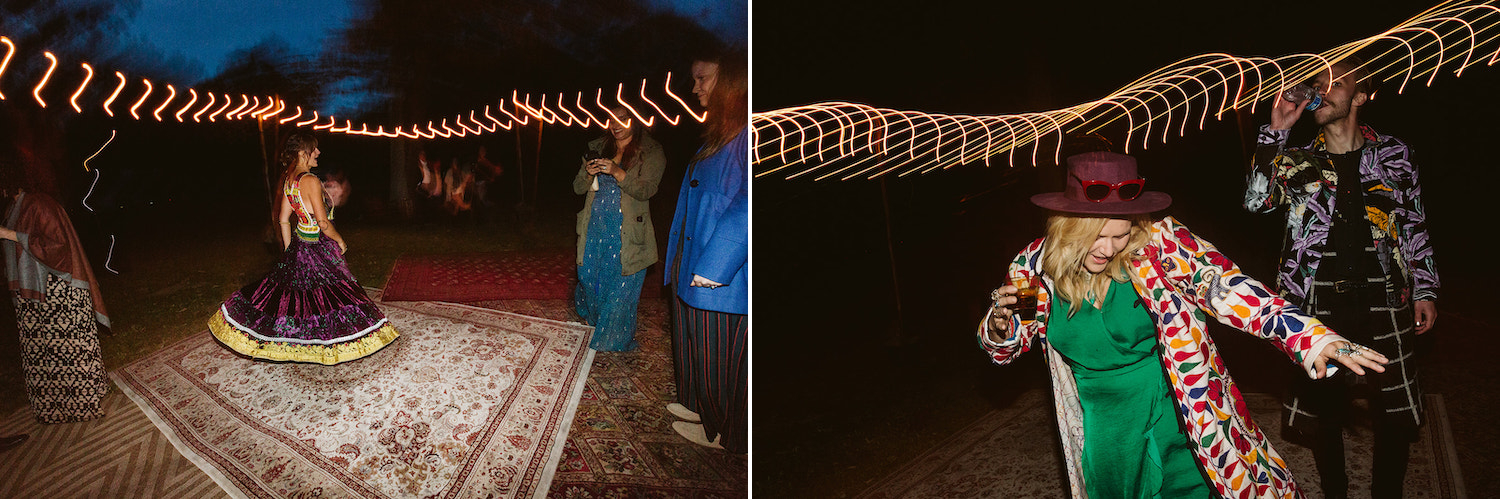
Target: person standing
[
  {"x": 708, "y": 254},
  {"x": 616, "y": 241},
  {"x": 1358, "y": 256},
  {"x": 58, "y": 306}
]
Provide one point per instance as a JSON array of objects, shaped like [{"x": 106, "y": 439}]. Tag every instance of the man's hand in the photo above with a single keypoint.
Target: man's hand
[
  {"x": 1426, "y": 315},
  {"x": 1284, "y": 113},
  {"x": 703, "y": 282}
]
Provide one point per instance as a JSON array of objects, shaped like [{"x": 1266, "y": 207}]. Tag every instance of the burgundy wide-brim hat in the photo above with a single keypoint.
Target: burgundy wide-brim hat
[{"x": 1108, "y": 167}]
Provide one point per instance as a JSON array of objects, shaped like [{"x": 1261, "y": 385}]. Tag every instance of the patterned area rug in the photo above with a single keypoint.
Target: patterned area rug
[
  {"x": 510, "y": 275},
  {"x": 621, "y": 443},
  {"x": 469, "y": 402},
  {"x": 1015, "y": 453}
]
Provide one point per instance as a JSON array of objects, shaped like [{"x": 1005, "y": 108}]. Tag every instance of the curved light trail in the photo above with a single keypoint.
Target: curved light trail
[{"x": 847, "y": 140}]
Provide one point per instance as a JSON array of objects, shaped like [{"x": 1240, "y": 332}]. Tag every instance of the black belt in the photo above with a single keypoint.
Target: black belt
[{"x": 1348, "y": 285}]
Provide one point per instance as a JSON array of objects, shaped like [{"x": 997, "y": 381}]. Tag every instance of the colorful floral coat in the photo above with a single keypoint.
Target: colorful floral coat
[
  {"x": 1183, "y": 281},
  {"x": 1303, "y": 180}
]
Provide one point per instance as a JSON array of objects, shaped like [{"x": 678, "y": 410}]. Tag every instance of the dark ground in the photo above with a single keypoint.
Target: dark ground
[{"x": 851, "y": 382}]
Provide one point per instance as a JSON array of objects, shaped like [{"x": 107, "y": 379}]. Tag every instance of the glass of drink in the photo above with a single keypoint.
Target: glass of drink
[{"x": 1026, "y": 291}]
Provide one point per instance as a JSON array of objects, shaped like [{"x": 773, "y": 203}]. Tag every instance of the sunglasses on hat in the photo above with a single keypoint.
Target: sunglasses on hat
[{"x": 1098, "y": 190}]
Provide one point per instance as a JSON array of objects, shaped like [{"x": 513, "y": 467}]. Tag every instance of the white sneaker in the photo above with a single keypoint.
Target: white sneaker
[
  {"x": 682, "y": 412},
  {"x": 693, "y": 432}
]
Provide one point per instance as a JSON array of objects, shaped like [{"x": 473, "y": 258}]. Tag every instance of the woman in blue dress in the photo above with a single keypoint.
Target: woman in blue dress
[{"x": 616, "y": 241}]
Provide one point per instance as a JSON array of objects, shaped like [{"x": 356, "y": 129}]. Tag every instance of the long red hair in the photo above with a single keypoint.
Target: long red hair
[{"x": 728, "y": 103}]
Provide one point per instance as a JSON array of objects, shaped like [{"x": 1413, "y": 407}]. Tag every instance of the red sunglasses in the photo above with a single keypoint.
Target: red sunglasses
[{"x": 1098, "y": 190}]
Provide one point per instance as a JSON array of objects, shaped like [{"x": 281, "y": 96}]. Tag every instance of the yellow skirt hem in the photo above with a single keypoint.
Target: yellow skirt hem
[{"x": 243, "y": 343}]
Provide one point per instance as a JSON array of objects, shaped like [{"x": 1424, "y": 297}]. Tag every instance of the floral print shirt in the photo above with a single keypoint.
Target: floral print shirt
[
  {"x": 1184, "y": 281},
  {"x": 1303, "y": 180}
]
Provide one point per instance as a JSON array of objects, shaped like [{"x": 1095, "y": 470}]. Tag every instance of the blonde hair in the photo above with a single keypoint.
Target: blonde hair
[{"x": 1067, "y": 244}]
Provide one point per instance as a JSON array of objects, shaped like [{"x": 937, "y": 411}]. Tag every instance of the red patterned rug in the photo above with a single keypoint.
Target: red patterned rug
[
  {"x": 621, "y": 443},
  {"x": 469, "y": 402},
  {"x": 508, "y": 275}
]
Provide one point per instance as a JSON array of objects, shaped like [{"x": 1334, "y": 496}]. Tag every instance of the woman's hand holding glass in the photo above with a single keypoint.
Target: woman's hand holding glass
[
  {"x": 1000, "y": 312},
  {"x": 1352, "y": 355}
]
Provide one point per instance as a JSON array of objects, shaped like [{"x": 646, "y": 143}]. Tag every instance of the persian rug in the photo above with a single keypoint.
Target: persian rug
[
  {"x": 1015, "y": 453},
  {"x": 621, "y": 443},
  {"x": 508, "y": 275},
  {"x": 468, "y": 402}
]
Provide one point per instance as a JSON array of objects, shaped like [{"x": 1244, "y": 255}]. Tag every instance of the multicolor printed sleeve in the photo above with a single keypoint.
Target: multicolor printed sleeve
[
  {"x": 1005, "y": 352},
  {"x": 1218, "y": 287},
  {"x": 1411, "y": 220},
  {"x": 1264, "y": 191}
]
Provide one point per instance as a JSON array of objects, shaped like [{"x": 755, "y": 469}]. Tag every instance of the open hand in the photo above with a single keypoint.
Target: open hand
[{"x": 1354, "y": 356}]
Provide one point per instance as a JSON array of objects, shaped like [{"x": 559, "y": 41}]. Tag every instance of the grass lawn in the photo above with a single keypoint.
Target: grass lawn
[{"x": 172, "y": 280}]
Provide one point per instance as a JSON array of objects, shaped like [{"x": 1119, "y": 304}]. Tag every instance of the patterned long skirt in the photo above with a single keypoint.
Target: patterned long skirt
[
  {"x": 604, "y": 298},
  {"x": 60, "y": 354},
  {"x": 308, "y": 308}
]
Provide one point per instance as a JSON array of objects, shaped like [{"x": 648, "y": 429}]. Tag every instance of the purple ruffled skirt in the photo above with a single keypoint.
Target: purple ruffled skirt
[{"x": 309, "y": 308}]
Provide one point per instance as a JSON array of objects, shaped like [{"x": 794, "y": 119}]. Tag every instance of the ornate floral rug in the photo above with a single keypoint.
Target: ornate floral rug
[
  {"x": 509, "y": 275},
  {"x": 1014, "y": 453},
  {"x": 622, "y": 443},
  {"x": 468, "y": 402}
]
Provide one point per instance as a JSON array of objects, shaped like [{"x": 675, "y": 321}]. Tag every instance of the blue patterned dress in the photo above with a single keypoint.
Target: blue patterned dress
[{"x": 604, "y": 298}]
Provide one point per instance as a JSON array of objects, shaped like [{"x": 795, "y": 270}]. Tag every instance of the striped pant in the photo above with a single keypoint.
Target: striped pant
[{"x": 711, "y": 356}]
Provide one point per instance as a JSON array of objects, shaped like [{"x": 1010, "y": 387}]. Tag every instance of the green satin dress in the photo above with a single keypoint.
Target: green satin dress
[{"x": 1133, "y": 445}]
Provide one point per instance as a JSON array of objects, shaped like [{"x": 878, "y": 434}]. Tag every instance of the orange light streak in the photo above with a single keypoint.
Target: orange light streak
[
  {"x": 227, "y": 102},
  {"x": 620, "y": 98},
  {"x": 37, "y": 92},
  {"x": 310, "y": 121},
  {"x": 193, "y": 100},
  {"x": 459, "y": 120},
  {"x": 846, "y": 140},
  {"x": 435, "y": 131},
  {"x": 513, "y": 118},
  {"x": 245, "y": 101},
  {"x": 280, "y": 106},
  {"x": 170, "y": 96},
  {"x": 668, "y": 88},
  {"x": 261, "y": 113},
  {"x": 487, "y": 129},
  {"x": 112, "y": 96},
  {"x": 88, "y": 76},
  {"x": 324, "y": 126},
  {"x": 5, "y": 63},
  {"x": 492, "y": 118},
  {"x": 450, "y": 130},
  {"x": 671, "y": 120},
  {"x": 599, "y": 101},
  {"x": 142, "y": 100},
  {"x": 283, "y": 121},
  {"x": 406, "y": 134},
  {"x": 520, "y": 117},
  {"x": 205, "y": 107},
  {"x": 585, "y": 111}
]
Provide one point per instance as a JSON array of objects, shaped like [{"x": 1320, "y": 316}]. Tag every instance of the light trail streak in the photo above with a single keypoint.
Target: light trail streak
[
  {"x": 87, "y": 77},
  {"x": 848, "y": 140},
  {"x": 37, "y": 92},
  {"x": 193, "y": 100},
  {"x": 206, "y": 106},
  {"x": 170, "y": 96},
  {"x": 116, "y": 93},
  {"x": 140, "y": 101},
  {"x": 227, "y": 101},
  {"x": 5, "y": 63}
]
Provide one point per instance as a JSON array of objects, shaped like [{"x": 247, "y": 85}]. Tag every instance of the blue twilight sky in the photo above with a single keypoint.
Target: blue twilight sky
[{"x": 208, "y": 30}]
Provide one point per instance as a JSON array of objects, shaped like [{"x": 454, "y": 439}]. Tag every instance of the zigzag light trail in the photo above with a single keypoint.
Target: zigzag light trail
[
  {"x": 848, "y": 140},
  {"x": 262, "y": 108}
]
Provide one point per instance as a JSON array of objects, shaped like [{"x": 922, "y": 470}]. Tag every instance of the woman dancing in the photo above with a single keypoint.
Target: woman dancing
[
  {"x": 308, "y": 308},
  {"x": 1121, "y": 309},
  {"x": 616, "y": 241}
]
